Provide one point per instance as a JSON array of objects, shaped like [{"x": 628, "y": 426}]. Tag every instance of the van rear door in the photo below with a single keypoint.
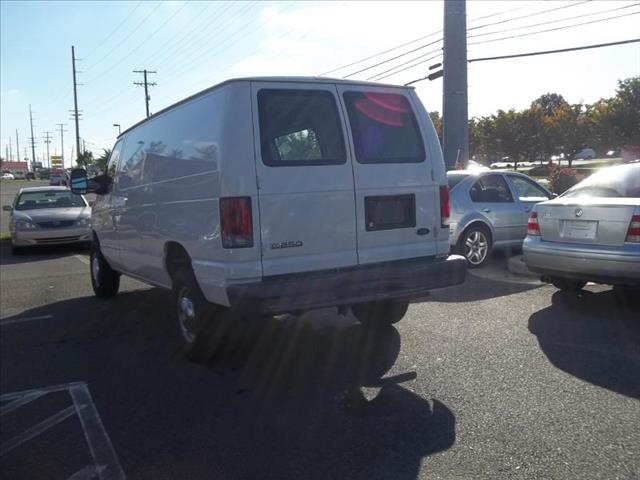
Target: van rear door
[
  {"x": 397, "y": 200},
  {"x": 305, "y": 180}
]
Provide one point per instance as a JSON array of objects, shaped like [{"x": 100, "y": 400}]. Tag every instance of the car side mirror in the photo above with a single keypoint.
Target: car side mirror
[
  {"x": 7, "y": 208},
  {"x": 554, "y": 195},
  {"x": 91, "y": 202}
]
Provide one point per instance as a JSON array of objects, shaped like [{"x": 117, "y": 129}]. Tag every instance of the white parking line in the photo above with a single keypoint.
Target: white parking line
[
  {"x": 106, "y": 464},
  {"x": 23, "y": 319},
  {"x": 36, "y": 430},
  {"x": 82, "y": 258}
]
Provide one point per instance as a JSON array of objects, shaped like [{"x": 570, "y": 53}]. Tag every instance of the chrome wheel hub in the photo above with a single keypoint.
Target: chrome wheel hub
[
  {"x": 95, "y": 270},
  {"x": 186, "y": 318},
  {"x": 476, "y": 247}
]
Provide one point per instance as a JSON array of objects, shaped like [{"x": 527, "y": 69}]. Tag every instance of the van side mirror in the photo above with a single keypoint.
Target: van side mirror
[
  {"x": 7, "y": 208},
  {"x": 79, "y": 182}
]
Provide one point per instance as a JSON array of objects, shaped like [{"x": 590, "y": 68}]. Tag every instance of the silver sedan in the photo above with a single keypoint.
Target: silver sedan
[
  {"x": 591, "y": 233},
  {"x": 48, "y": 215},
  {"x": 489, "y": 210}
]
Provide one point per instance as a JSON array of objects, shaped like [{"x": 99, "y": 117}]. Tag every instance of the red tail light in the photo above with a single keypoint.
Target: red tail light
[
  {"x": 445, "y": 205},
  {"x": 633, "y": 234},
  {"x": 236, "y": 222},
  {"x": 532, "y": 224}
]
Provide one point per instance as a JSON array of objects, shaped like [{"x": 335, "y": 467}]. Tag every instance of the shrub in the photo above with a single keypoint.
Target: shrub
[{"x": 562, "y": 178}]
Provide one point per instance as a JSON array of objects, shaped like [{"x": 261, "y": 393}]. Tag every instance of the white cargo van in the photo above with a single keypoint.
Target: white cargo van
[{"x": 273, "y": 195}]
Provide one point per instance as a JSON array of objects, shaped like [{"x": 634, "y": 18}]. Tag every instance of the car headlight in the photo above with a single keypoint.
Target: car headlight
[
  {"x": 24, "y": 225},
  {"x": 83, "y": 222}
]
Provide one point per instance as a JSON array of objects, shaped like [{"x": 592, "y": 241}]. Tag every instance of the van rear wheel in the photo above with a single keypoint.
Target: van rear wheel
[
  {"x": 202, "y": 326},
  {"x": 378, "y": 313},
  {"x": 104, "y": 280}
]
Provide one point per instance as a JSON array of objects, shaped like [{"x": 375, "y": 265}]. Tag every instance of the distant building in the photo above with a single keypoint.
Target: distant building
[{"x": 19, "y": 169}]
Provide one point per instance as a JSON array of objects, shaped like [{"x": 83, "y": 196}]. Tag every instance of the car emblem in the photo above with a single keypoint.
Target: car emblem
[{"x": 578, "y": 212}]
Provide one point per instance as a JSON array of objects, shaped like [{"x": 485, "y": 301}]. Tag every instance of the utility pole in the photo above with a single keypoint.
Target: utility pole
[
  {"x": 26, "y": 155},
  {"x": 455, "y": 121},
  {"x": 47, "y": 140},
  {"x": 33, "y": 140},
  {"x": 17, "y": 147},
  {"x": 146, "y": 84},
  {"x": 62, "y": 130},
  {"x": 76, "y": 114},
  {"x": 10, "y": 150}
]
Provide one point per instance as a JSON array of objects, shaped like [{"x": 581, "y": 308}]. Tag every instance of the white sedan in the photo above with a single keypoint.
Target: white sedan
[{"x": 47, "y": 216}]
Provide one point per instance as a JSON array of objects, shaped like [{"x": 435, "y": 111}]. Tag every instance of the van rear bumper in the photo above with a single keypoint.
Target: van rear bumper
[{"x": 402, "y": 279}]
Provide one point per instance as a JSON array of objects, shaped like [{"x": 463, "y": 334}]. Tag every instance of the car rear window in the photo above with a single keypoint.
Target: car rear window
[
  {"x": 384, "y": 128},
  {"x": 614, "y": 182},
  {"x": 454, "y": 180},
  {"x": 49, "y": 199},
  {"x": 300, "y": 127}
]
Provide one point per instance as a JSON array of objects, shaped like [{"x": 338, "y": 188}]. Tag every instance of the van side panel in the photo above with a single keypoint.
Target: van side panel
[
  {"x": 172, "y": 175},
  {"x": 432, "y": 143}
]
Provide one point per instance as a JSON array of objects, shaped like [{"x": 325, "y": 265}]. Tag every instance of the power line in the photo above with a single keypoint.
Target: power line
[
  {"x": 124, "y": 20},
  {"x": 381, "y": 74},
  {"x": 554, "y": 29},
  {"x": 553, "y": 21},
  {"x": 471, "y": 28},
  {"x": 378, "y": 77},
  {"x": 393, "y": 58},
  {"x": 543, "y": 52},
  {"x": 534, "y": 14},
  {"x": 134, "y": 30},
  {"x": 560, "y": 50},
  {"x": 146, "y": 39}
]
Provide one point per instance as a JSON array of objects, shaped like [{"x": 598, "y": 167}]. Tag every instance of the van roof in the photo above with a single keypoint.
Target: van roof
[{"x": 293, "y": 79}]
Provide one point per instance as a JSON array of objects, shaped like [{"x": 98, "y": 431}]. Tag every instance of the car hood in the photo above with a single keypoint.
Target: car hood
[{"x": 52, "y": 214}]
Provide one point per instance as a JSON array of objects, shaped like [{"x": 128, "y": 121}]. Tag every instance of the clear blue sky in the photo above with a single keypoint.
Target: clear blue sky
[{"x": 193, "y": 45}]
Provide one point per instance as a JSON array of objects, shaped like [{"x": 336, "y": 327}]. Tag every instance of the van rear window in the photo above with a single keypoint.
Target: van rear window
[
  {"x": 300, "y": 127},
  {"x": 384, "y": 128}
]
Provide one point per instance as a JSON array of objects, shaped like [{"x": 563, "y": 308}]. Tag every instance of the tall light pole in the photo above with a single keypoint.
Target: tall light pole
[
  {"x": 117, "y": 125},
  {"x": 455, "y": 121}
]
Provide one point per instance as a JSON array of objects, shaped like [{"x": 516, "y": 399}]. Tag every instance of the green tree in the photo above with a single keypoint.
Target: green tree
[
  {"x": 625, "y": 111},
  {"x": 103, "y": 159},
  {"x": 549, "y": 103},
  {"x": 85, "y": 158},
  {"x": 436, "y": 119}
]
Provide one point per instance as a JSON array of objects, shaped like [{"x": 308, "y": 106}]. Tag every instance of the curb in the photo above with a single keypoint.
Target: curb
[{"x": 517, "y": 266}]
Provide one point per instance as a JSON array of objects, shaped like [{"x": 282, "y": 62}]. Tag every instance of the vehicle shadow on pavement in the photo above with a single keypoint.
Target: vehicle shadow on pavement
[
  {"x": 476, "y": 288},
  {"x": 593, "y": 336},
  {"x": 37, "y": 254},
  {"x": 282, "y": 397}
]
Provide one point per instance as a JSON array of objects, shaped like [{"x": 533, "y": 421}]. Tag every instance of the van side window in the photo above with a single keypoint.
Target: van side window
[
  {"x": 114, "y": 159},
  {"x": 299, "y": 127},
  {"x": 384, "y": 128}
]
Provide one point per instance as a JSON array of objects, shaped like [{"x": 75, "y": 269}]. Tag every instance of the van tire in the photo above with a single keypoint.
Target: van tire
[
  {"x": 379, "y": 313},
  {"x": 477, "y": 234},
  {"x": 104, "y": 279},
  {"x": 201, "y": 324}
]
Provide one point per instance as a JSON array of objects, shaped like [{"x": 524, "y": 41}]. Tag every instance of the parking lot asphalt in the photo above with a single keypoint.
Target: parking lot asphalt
[{"x": 493, "y": 379}]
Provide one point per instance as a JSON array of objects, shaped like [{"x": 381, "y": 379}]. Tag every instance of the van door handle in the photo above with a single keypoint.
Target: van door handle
[{"x": 486, "y": 210}]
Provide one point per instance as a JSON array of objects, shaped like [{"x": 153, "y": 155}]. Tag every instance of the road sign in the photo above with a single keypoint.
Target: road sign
[{"x": 56, "y": 161}]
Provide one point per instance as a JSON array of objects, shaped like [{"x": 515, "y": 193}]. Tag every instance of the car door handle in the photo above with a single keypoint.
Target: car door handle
[
  {"x": 527, "y": 209},
  {"x": 486, "y": 210}
]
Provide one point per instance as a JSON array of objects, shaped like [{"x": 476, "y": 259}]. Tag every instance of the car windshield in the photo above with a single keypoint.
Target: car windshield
[
  {"x": 614, "y": 182},
  {"x": 49, "y": 199}
]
